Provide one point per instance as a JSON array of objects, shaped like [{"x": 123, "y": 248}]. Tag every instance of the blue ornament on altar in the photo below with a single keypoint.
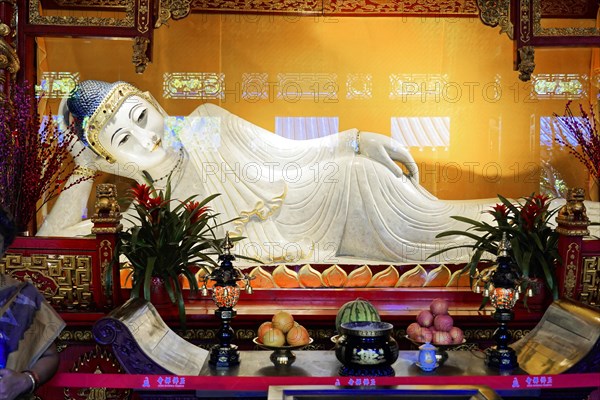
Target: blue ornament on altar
[{"x": 427, "y": 357}]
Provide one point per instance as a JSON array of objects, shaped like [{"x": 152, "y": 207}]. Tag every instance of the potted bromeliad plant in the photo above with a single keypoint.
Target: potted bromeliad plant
[
  {"x": 169, "y": 239},
  {"x": 533, "y": 241}
]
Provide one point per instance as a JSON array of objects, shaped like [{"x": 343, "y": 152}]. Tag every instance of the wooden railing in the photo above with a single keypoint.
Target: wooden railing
[{"x": 73, "y": 273}]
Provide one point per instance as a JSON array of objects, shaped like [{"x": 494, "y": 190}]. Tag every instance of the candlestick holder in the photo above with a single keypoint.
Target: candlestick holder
[
  {"x": 225, "y": 294},
  {"x": 503, "y": 292}
]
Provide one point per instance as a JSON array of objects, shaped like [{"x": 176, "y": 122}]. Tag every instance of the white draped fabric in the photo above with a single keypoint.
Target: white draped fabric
[{"x": 318, "y": 199}]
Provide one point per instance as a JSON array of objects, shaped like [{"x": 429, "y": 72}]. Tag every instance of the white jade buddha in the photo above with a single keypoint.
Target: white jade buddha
[{"x": 323, "y": 200}]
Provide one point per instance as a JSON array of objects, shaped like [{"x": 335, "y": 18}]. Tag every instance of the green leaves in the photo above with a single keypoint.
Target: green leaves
[
  {"x": 526, "y": 224},
  {"x": 169, "y": 239}
]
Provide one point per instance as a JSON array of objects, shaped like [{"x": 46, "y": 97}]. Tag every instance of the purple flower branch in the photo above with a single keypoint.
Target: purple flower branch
[
  {"x": 584, "y": 130},
  {"x": 35, "y": 157}
]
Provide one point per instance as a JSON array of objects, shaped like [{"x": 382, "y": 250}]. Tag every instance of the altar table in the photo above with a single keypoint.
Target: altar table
[{"x": 255, "y": 374}]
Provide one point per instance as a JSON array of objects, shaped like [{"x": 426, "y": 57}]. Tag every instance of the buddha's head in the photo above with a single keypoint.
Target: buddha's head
[{"x": 118, "y": 122}]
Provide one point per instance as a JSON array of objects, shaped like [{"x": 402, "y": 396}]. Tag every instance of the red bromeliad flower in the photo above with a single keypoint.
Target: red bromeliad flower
[
  {"x": 500, "y": 212},
  {"x": 152, "y": 202},
  {"x": 533, "y": 210},
  {"x": 141, "y": 194},
  {"x": 196, "y": 212}
]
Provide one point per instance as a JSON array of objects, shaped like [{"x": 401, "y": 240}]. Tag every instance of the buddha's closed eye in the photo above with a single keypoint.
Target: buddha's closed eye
[{"x": 124, "y": 139}]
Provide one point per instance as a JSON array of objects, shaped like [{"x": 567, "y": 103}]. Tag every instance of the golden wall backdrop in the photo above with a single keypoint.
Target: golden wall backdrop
[{"x": 494, "y": 117}]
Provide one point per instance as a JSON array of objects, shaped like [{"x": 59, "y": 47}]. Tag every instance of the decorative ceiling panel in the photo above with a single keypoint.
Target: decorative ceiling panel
[
  {"x": 550, "y": 8},
  {"x": 401, "y": 7},
  {"x": 258, "y": 6}
]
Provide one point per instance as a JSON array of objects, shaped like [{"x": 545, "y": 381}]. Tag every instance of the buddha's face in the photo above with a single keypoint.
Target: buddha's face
[{"x": 134, "y": 134}]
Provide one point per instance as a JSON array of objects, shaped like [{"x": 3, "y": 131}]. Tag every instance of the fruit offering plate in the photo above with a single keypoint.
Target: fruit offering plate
[
  {"x": 282, "y": 355},
  {"x": 442, "y": 355}
]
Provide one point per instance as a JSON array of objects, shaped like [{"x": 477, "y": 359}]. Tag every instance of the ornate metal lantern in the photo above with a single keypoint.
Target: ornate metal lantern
[
  {"x": 503, "y": 292},
  {"x": 225, "y": 294}
]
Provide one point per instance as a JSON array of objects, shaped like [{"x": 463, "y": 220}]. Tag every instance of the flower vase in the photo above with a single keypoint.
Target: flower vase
[
  {"x": 539, "y": 296},
  {"x": 159, "y": 297}
]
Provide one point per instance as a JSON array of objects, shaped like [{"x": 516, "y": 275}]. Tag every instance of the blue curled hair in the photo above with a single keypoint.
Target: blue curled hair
[{"x": 85, "y": 100}]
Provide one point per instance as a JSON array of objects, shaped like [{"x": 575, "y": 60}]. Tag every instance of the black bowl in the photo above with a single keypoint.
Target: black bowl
[{"x": 366, "y": 328}]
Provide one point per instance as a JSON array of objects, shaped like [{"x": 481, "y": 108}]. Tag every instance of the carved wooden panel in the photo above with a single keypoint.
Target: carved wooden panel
[
  {"x": 65, "y": 280},
  {"x": 590, "y": 291}
]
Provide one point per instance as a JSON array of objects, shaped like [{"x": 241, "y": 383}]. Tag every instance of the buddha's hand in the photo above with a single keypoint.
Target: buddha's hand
[{"x": 387, "y": 151}]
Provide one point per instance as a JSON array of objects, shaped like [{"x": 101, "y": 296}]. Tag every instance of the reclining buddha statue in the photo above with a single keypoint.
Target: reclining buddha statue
[{"x": 351, "y": 195}]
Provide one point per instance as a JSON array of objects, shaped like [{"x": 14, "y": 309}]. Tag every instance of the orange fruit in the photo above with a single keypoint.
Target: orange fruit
[
  {"x": 274, "y": 337},
  {"x": 265, "y": 326},
  {"x": 283, "y": 321},
  {"x": 297, "y": 336}
]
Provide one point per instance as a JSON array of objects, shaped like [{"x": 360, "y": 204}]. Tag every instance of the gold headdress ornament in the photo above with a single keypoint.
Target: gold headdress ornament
[{"x": 93, "y": 125}]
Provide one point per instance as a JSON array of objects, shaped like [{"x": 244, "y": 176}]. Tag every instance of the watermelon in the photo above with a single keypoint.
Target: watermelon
[{"x": 356, "y": 310}]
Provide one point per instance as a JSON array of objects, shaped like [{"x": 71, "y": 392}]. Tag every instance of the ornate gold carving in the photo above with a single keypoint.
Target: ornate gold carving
[
  {"x": 140, "y": 59},
  {"x": 527, "y": 63},
  {"x": 567, "y": 8},
  {"x": 560, "y": 86},
  {"x": 64, "y": 280},
  {"x": 590, "y": 279},
  {"x": 92, "y": 3},
  {"x": 286, "y": 6},
  {"x": 4, "y": 29},
  {"x": 57, "y": 85},
  {"x": 107, "y": 210},
  {"x": 193, "y": 85},
  {"x": 494, "y": 13},
  {"x": 405, "y": 7},
  {"x": 35, "y": 18},
  {"x": 76, "y": 336},
  {"x": 572, "y": 218},
  {"x": 538, "y": 30},
  {"x": 525, "y": 21},
  {"x": 570, "y": 276},
  {"x": 175, "y": 9},
  {"x": 143, "y": 16},
  {"x": 9, "y": 59}
]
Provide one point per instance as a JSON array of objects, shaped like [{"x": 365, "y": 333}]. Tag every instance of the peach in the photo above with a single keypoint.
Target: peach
[
  {"x": 440, "y": 337},
  {"x": 457, "y": 335},
  {"x": 443, "y": 322},
  {"x": 412, "y": 330},
  {"x": 265, "y": 326},
  {"x": 274, "y": 337},
  {"x": 425, "y": 318},
  {"x": 297, "y": 336},
  {"x": 283, "y": 321},
  {"x": 439, "y": 307}
]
